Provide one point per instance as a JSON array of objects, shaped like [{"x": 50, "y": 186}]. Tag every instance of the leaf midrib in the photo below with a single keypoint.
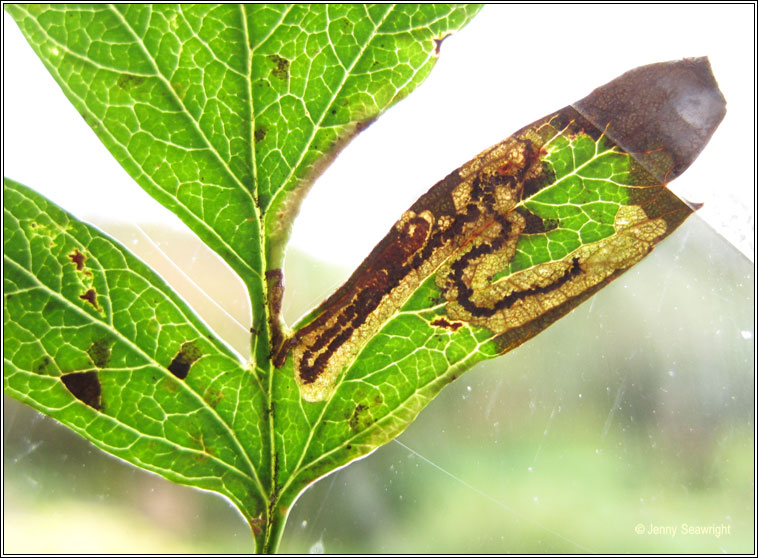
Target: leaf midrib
[{"x": 167, "y": 84}]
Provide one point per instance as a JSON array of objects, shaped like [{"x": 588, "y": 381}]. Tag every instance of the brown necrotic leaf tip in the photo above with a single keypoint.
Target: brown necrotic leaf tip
[{"x": 662, "y": 114}]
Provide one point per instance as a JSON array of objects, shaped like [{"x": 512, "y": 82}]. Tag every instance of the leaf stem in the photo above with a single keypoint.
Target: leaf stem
[{"x": 272, "y": 535}]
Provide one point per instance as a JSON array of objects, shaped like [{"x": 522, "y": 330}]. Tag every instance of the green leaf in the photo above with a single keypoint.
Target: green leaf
[
  {"x": 489, "y": 257},
  {"x": 304, "y": 439},
  {"x": 224, "y": 114},
  {"x": 98, "y": 341}
]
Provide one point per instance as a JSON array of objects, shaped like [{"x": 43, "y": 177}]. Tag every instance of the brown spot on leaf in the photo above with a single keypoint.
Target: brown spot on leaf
[
  {"x": 442, "y": 322},
  {"x": 42, "y": 365},
  {"x": 438, "y": 44},
  {"x": 91, "y": 297},
  {"x": 355, "y": 418},
  {"x": 535, "y": 224},
  {"x": 184, "y": 360},
  {"x": 85, "y": 386},
  {"x": 129, "y": 81},
  {"x": 281, "y": 69},
  {"x": 508, "y": 168},
  {"x": 275, "y": 283},
  {"x": 78, "y": 259},
  {"x": 99, "y": 353},
  {"x": 362, "y": 125},
  {"x": 257, "y": 524},
  {"x": 259, "y": 134}
]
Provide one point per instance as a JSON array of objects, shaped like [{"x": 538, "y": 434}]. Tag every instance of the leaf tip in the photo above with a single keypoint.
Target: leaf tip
[{"x": 663, "y": 114}]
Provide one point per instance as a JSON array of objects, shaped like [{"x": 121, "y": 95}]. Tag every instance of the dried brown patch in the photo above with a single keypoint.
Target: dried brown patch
[{"x": 85, "y": 386}]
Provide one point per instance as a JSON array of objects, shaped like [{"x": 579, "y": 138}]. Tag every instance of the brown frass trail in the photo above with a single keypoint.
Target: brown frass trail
[{"x": 466, "y": 227}]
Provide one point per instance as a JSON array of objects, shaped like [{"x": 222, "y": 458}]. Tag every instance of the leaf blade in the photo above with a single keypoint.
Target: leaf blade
[
  {"x": 554, "y": 213},
  {"x": 96, "y": 340},
  {"x": 205, "y": 106}
]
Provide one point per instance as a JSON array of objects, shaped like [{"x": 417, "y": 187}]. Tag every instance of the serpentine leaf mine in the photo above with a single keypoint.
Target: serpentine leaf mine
[{"x": 521, "y": 234}]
